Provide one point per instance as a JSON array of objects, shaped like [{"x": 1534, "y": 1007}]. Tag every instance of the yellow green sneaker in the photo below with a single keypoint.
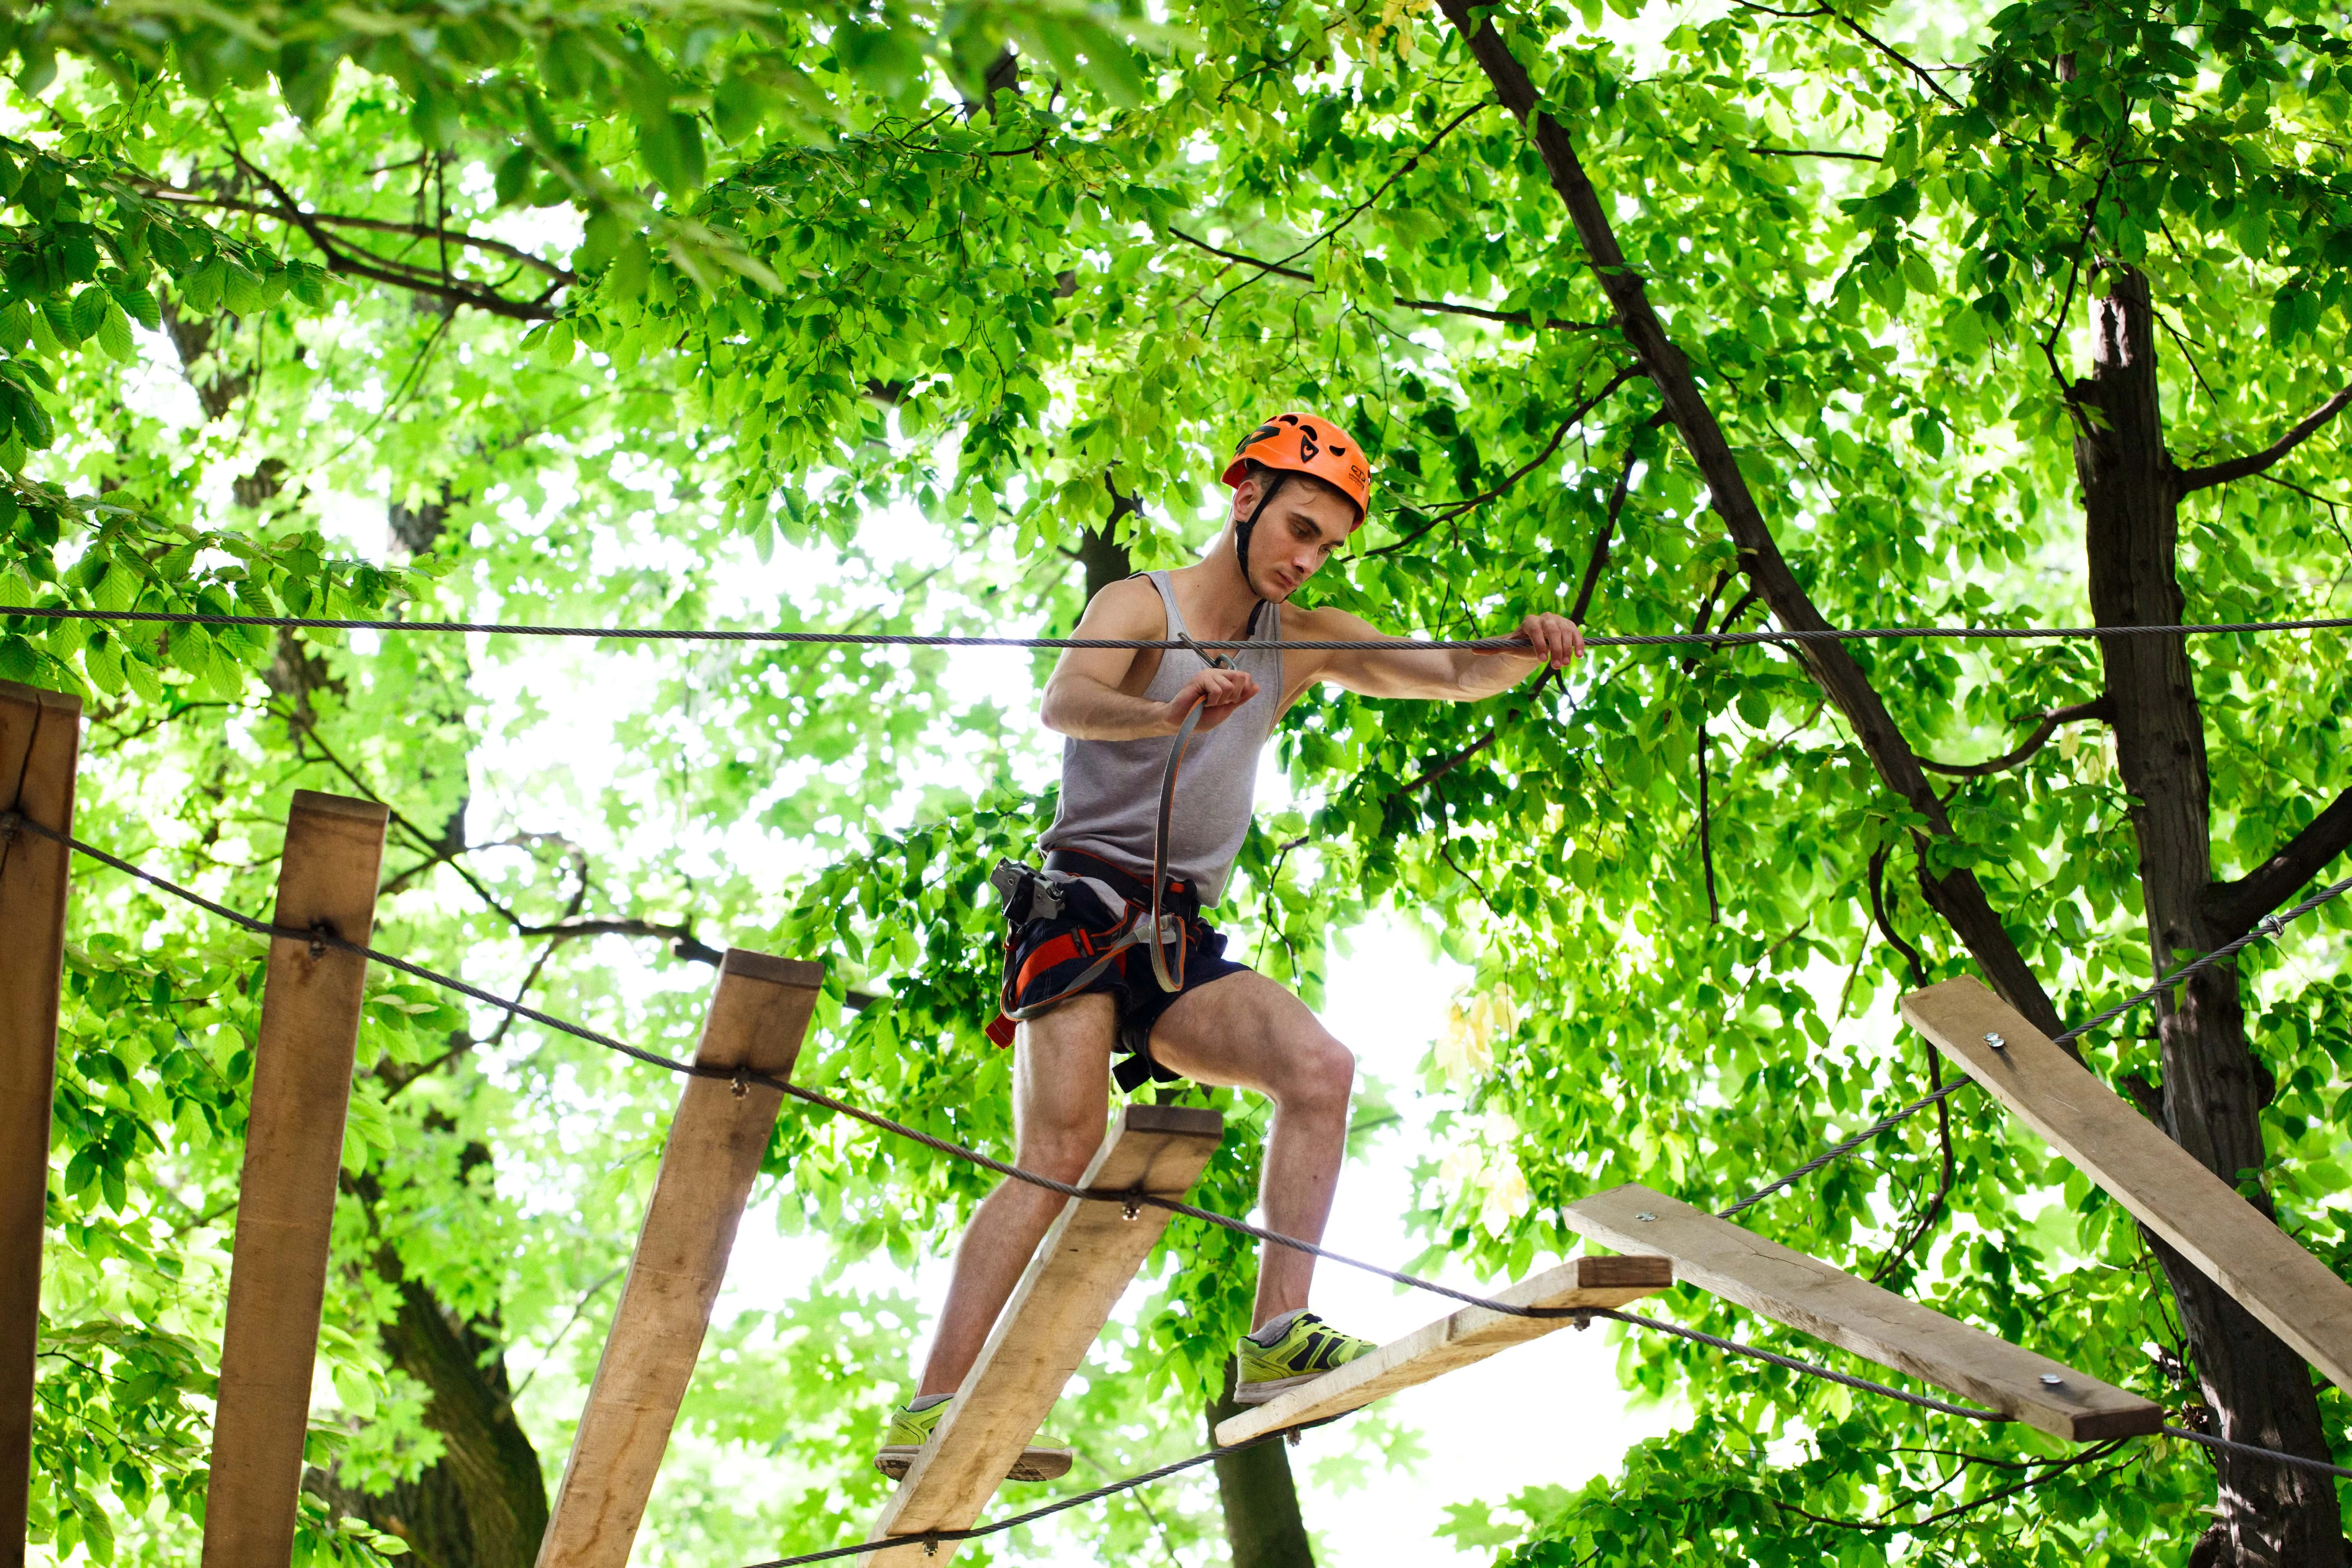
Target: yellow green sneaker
[
  {"x": 914, "y": 1425},
  {"x": 1303, "y": 1348}
]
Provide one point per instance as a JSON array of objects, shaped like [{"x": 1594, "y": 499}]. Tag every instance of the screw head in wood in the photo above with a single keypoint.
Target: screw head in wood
[
  {"x": 1996, "y": 1042},
  {"x": 2051, "y": 1380},
  {"x": 1646, "y": 1219}
]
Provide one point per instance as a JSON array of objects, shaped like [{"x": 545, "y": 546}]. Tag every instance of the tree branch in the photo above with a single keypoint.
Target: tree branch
[
  {"x": 1814, "y": 152},
  {"x": 2099, "y": 708},
  {"x": 1456, "y": 508},
  {"x": 2234, "y": 907},
  {"x": 1443, "y": 307},
  {"x": 380, "y": 226},
  {"x": 1706, "y": 834},
  {"x": 379, "y": 270},
  {"x": 2190, "y": 480},
  {"x": 1956, "y": 894}
]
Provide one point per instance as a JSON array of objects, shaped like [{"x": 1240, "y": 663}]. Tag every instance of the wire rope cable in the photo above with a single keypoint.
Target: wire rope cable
[
  {"x": 2269, "y": 926},
  {"x": 923, "y": 639},
  {"x": 929, "y": 1539},
  {"x": 2251, "y": 1451}
]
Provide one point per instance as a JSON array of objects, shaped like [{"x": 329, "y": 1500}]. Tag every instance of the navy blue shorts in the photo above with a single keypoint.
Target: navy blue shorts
[{"x": 1045, "y": 957}]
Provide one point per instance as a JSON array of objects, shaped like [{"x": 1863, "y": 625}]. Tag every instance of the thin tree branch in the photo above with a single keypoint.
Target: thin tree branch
[
  {"x": 381, "y": 225},
  {"x": 577, "y": 1312},
  {"x": 1439, "y": 770},
  {"x": 2099, "y": 708},
  {"x": 1443, "y": 307},
  {"x": 1357, "y": 211},
  {"x": 1601, "y": 541},
  {"x": 366, "y": 264},
  {"x": 1456, "y": 508},
  {"x": 2190, "y": 480},
  {"x": 1815, "y": 153},
  {"x": 1706, "y": 834}
]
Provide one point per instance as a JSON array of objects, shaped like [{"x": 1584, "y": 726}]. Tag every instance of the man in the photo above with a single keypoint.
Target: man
[{"x": 1300, "y": 487}]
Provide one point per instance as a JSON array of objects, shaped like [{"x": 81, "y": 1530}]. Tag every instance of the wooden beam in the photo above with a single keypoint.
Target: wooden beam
[
  {"x": 2163, "y": 1185},
  {"x": 1081, "y": 1269},
  {"x": 1830, "y": 1304},
  {"x": 1472, "y": 1334},
  {"x": 286, "y": 1195},
  {"x": 40, "y": 738},
  {"x": 759, "y": 1015}
]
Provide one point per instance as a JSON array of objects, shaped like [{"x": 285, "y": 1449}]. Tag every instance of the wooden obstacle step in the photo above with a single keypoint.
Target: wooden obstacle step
[
  {"x": 2163, "y": 1185},
  {"x": 1083, "y": 1267},
  {"x": 759, "y": 1015},
  {"x": 1470, "y": 1335},
  {"x": 1830, "y": 1304},
  {"x": 302, "y": 1061},
  {"x": 40, "y": 737}
]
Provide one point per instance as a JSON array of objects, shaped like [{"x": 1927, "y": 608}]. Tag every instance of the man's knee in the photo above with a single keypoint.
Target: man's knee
[
  {"x": 1059, "y": 1150},
  {"x": 1319, "y": 1072}
]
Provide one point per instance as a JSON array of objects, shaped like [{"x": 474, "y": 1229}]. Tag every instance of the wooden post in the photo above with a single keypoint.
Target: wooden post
[
  {"x": 1084, "y": 1264},
  {"x": 1470, "y": 1335},
  {"x": 1831, "y": 1304},
  {"x": 286, "y": 1195},
  {"x": 40, "y": 737},
  {"x": 759, "y": 1015},
  {"x": 2163, "y": 1185}
]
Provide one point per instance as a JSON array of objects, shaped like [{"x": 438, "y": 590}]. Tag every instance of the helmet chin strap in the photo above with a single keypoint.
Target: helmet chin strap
[{"x": 1247, "y": 526}]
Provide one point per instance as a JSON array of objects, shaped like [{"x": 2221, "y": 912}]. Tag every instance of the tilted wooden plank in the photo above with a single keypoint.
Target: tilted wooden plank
[
  {"x": 1084, "y": 1264},
  {"x": 40, "y": 737},
  {"x": 759, "y": 1015},
  {"x": 285, "y": 1194},
  {"x": 1470, "y": 1335},
  {"x": 1830, "y": 1304},
  {"x": 2163, "y": 1185}
]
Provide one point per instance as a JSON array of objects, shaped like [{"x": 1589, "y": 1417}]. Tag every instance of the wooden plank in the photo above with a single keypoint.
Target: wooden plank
[
  {"x": 40, "y": 737},
  {"x": 1082, "y": 1268},
  {"x": 759, "y": 1015},
  {"x": 1470, "y": 1335},
  {"x": 2163, "y": 1185},
  {"x": 1831, "y": 1304},
  {"x": 286, "y": 1195}
]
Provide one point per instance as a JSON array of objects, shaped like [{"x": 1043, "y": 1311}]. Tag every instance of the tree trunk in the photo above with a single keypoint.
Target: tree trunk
[
  {"x": 1954, "y": 893},
  {"x": 484, "y": 1503},
  {"x": 2213, "y": 1090},
  {"x": 1261, "y": 1502}
]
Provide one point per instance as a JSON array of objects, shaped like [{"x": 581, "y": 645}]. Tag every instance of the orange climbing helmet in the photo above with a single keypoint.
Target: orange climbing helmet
[{"x": 1307, "y": 444}]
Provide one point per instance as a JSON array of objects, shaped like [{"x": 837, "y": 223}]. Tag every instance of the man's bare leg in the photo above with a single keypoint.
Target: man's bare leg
[
  {"x": 1247, "y": 1032},
  {"x": 1061, "y": 1104}
]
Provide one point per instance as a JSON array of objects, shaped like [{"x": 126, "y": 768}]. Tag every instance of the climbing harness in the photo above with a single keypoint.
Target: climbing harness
[{"x": 1032, "y": 893}]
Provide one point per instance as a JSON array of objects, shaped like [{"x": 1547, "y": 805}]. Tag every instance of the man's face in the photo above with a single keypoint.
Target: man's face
[{"x": 1303, "y": 529}]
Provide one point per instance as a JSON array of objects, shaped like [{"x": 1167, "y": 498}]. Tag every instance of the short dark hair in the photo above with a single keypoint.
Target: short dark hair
[{"x": 1260, "y": 471}]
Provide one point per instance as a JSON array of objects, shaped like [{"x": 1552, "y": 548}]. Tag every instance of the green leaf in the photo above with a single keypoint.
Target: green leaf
[
  {"x": 140, "y": 304},
  {"x": 514, "y": 177},
  {"x": 88, "y": 309},
  {"x": 114, "y": 334}
]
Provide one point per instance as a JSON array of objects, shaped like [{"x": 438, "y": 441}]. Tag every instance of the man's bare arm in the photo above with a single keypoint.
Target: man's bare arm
[
  {"x": 1441, "y": 675},
  {"x": 1083, "y": 698}
]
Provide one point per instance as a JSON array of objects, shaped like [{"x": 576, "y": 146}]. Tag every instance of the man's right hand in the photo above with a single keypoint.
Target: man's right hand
[{"x": 1219, "y": 693}]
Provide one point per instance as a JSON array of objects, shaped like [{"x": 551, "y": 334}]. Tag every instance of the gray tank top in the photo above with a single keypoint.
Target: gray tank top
[{"x": 1111, "y": 789}]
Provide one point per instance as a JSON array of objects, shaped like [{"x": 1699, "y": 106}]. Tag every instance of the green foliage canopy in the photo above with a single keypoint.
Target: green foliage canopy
[{"x": 820, "y": 317}]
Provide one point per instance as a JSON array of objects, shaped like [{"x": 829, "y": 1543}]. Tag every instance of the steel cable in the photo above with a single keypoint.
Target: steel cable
[
  {"x": 920, "y": 639},
  {"x": 929, "y": 1537},
  {"x": 2267, "y": 927}
]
